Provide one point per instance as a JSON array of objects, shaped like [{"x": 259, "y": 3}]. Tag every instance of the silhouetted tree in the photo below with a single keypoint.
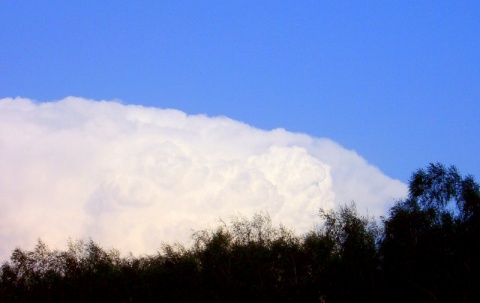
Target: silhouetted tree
[
  {"x": 250, "y": 260},
  {"x": 427, "y": 250},
  {"x": 430, "y": 244},
  {"x": 344, "y": 256}
]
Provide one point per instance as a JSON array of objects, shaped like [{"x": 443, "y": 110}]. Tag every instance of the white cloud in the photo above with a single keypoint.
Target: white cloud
[{"x": 131, "y": 177}]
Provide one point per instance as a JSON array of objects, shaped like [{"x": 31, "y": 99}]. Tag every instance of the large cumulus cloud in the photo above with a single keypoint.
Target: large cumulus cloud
[{"x": 131, "y": 177}]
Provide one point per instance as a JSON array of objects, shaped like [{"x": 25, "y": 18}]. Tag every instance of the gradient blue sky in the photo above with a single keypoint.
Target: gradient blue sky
[{"x": 398, "y": 82}]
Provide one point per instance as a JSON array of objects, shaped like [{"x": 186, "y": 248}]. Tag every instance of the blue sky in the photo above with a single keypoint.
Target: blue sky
[{"x": 397, "y": 82}]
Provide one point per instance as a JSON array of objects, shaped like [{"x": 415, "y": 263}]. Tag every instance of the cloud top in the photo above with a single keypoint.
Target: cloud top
[{"x": 131, "y": 177}]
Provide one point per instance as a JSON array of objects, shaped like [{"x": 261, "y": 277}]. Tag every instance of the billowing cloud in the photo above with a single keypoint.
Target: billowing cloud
[{"x": 132, "y": 177}]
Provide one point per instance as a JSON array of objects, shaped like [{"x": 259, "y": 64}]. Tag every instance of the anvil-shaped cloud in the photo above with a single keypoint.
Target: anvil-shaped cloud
[{"x": 132, "y": 177}]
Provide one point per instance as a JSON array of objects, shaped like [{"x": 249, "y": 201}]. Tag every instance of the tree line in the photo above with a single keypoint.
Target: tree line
[{"x": 427, "y": 249}]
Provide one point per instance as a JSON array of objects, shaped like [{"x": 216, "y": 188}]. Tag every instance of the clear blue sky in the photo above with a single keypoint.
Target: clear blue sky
[{"x": 398, "y": 82}]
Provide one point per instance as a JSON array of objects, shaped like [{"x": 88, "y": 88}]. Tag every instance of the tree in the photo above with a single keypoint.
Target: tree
[
  {"x": 427, "y": 250},
  {"x": 344, "y": 255},
  {"x": 430, "y": 245},
  {"x": 445, "y": 190}
]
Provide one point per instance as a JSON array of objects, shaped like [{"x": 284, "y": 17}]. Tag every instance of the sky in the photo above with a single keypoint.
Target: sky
[{"x": 364, "y": 91}]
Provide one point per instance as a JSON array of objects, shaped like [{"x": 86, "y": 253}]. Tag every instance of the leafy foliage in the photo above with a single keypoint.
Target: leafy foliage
[
  {"x": 430, "y": 246},
  {"x": 427, "y": 249}
]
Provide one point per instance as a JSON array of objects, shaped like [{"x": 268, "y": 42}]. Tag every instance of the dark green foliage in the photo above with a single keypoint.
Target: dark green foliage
[
  {"x": 426, "y": 250},
  {"x": 249, "y": 260},
  {"x": 430, "y": 245},
  {"x": 343, "y": 256}
]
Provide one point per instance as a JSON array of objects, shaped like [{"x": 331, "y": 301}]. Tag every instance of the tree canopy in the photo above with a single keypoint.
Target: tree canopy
[{"x": 425, "y": 250}]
